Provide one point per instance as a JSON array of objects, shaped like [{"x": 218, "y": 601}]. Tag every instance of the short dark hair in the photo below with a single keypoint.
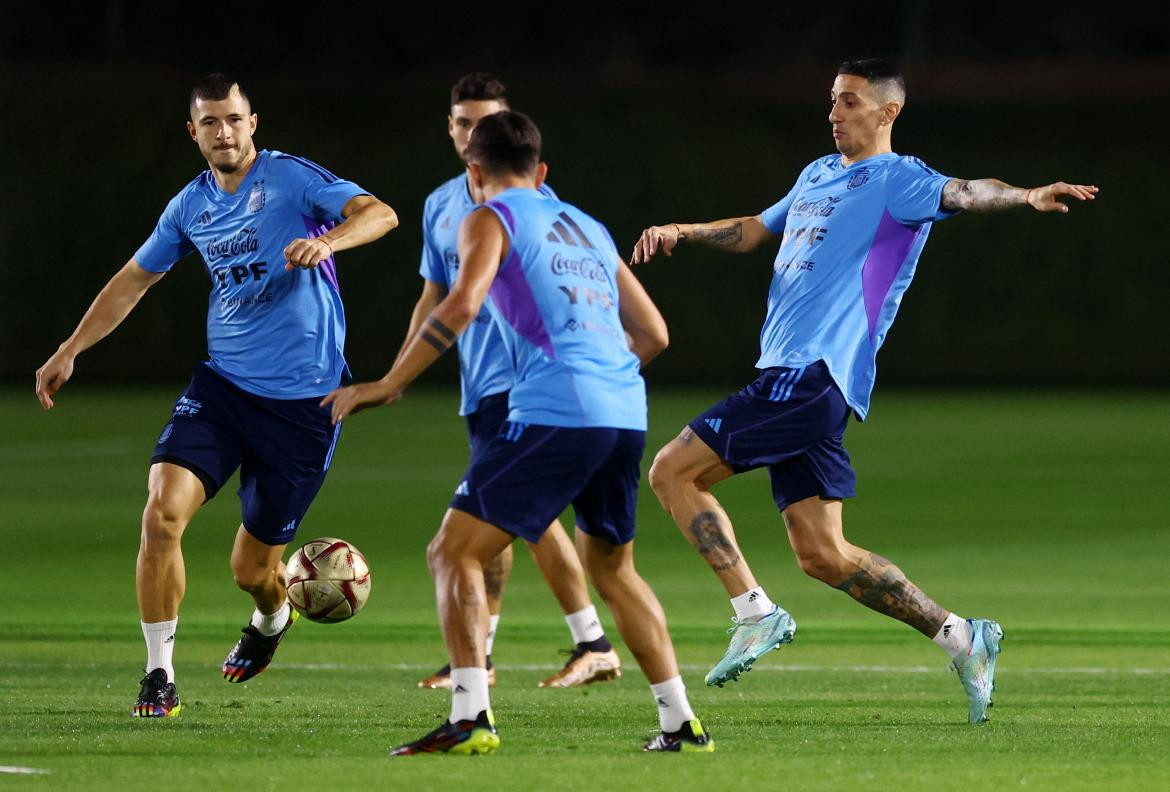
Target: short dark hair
[
  {"x": 479, "y": 87},
  {"x": 216, "y": 87},
  {"x": 505, "y": 143},
  {"x": 880, "y": 73}
]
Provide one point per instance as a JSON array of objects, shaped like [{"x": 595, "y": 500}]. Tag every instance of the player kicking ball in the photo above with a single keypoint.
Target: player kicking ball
[
  {"x": 577, "y": 325},
  {"x": 852, "y": 229},
  {"x": 485, "y": 372},
  {"x": 267, "y": 225}
]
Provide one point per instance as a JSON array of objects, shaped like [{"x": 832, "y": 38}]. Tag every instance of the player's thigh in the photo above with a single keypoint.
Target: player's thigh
[
  {"x": 250, "y": 555},
  {"x": 464, "y": 536},
  {"x": 687, "y": 458},
  {"x": 815, "y": 526},
  {"x": 174, "y": 494}
]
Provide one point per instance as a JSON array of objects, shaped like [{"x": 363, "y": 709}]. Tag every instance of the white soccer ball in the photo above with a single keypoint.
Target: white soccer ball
[{"x": 328, "y": 580}]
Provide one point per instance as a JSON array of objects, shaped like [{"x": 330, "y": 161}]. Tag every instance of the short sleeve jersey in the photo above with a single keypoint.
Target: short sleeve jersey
[
  {"x": 270, "y": 331},
  {"x": 556, "y": 300},
  {"x": 484, "y": 366},
  {"x": 851, "y": 238}
]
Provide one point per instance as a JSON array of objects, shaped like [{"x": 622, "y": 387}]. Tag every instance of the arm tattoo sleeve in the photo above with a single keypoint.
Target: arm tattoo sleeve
[
  {"x": 437, "y": 335},
  {"x": 881, "y": 586},
  {"x": 981, "y": 195},
  {"x": 725, "y": 237}
]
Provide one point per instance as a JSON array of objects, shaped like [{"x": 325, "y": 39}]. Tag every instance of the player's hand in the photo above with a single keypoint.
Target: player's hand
[
  {"x": 51, "y": 376},
  {"x": 654, "y": 239},
  {"x": 355, "y": 398},
  {"x": 306, "y": 253},
  {"x": 1046, "y": 199}
]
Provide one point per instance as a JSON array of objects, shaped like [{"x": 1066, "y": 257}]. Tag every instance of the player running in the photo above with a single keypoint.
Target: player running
[
  {"x": 267, "y": 225},
  {"x": 852, "y": 229},
  {"x": 577, "y": 324},
  {"x": 486, "y": 376}
]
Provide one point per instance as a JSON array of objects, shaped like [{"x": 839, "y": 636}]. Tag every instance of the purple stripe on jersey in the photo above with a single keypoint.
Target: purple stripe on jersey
[
  {"x": 505, "y": 213},
  {"x": 887, "y": 254},
  {"x": 513, "y": 298},
  {"x": 328, "y": 267}
]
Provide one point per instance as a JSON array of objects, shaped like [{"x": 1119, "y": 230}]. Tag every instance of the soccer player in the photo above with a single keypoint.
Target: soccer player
[
  {"x": 851, "y": 230},
  {"x": 486, "y": 376},
  {"x": 267, "y": 225},
  {"x": 577, "y": 325}
]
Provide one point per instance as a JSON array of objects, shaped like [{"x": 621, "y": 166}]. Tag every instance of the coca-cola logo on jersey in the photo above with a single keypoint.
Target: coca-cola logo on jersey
[
  {"x": 586, "y": 267},
  {"x": 244, "y": 241}
]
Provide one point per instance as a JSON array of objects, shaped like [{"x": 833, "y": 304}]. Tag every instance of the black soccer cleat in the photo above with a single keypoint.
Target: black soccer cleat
[
  {"x": 467, "y": 737},
  {"x": 254, "y": 651},
  {"x": 158, "y": 697},
  {"x": 691, "y": 738}
]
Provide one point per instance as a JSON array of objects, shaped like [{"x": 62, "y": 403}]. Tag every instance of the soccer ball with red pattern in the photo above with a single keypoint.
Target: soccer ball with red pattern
[{"x": 328, "y": 580}]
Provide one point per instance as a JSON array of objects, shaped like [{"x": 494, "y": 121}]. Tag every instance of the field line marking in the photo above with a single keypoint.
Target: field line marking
[
  {"x": 869, "y": 669},
  {"x": 13, "y": 770}
]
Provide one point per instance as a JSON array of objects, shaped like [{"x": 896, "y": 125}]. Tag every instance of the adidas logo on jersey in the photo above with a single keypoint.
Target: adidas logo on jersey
[
  {"x": 560, "y": 232},
  {"x": 714, "y": 423}
]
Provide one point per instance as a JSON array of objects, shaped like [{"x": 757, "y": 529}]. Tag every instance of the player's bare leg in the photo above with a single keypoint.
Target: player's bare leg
[
  {"x": 642, "y": 624},
  {"x": 682, "y": 475},
  {"x": 495, "y": 577},
  {"x": 593, "y": 658},
  {"x": 258, "y": 569},
  {"x": 816, "y": 533},
  {"x": 174, "y": 494}
]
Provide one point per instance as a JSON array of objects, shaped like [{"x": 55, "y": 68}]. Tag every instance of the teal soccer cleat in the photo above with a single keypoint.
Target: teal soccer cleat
[
  {"x": 977, "y": 668},
  {"x": 751, "y": 639}
]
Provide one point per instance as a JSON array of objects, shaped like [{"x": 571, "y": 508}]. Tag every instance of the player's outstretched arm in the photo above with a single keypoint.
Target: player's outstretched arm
[
  {"x": 735, "y": 234},
  {"x": 432, "y": 294},
  {"x": 109, "y": 308},
  {"x": 366, "y": 219},
  {"x": 991, "y": 195},
  {"x": 482, "y": 246},
  {"x": 645, "y": 328}
]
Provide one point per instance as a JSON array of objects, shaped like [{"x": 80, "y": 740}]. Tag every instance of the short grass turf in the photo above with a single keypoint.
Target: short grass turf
[{"x": 1046, "y": 511}]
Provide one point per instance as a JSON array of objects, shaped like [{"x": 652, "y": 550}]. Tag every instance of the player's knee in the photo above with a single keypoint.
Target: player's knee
[
  {"x": 162, "y": 527},
  {"x": 439, "y": 555},
  {"x": 250, "y": 578},
  {"x": 822, "y": 563},
  {"x": 664, "y": 475}
]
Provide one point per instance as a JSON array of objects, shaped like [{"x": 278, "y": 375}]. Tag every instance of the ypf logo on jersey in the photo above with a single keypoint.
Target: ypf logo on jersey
[{"x": 256, "y": 197}]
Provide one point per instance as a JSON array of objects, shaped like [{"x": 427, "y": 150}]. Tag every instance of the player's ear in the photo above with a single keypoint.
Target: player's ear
[
  {"x": 541, "y": 174},
  {"x": 475, "y": 172},
  {"x": 254, "y": 119},
  {"x": 191, "y": 131},
  {"x": 891, "y": 111}
]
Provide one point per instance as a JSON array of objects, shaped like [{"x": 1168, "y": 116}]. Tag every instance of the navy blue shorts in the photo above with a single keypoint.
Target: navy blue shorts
[
  {"x": 792, "y": 421},
  {"x": 484, "y": 424},
  {"x": 523, "y": 479},
  {"x": 282, "y": 447}
]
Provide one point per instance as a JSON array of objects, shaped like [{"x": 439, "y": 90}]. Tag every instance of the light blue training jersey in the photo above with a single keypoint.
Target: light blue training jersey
[
  {"x": 556, "y": 299},
  {"x": 270, "y": 331},
  {"x": 485, "y": 368},
  {"x": 851, "y": 241}
]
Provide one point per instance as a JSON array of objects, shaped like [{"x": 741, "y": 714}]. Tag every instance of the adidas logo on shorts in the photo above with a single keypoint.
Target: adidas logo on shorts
[
  {"x": 463, "y": 489},
  {"x": 714, "y": 423}
]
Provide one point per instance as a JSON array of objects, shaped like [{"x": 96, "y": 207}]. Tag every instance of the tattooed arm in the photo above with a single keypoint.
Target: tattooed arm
[
  {"x": 991, "y": 195},
  {"x": 736, "y": 234},
  {"x": 482, "y": 246}
]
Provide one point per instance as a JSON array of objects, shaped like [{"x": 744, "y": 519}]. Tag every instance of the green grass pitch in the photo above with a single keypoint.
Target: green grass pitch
[{"x": 1047, "y": 511}]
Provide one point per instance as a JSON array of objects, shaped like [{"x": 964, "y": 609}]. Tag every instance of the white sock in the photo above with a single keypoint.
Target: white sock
[
  {"x": 493, "y": 623},
  {"x": 160, "y": 646},
  {"x": 584, "y": 625},
  {"x": 469, "y": 693},
  {"x": 271, "y": 623},
  {"x": 954, "y": 637},
  {"x": 673, "y": 708},
  {"x": 752, "y": 603}
]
